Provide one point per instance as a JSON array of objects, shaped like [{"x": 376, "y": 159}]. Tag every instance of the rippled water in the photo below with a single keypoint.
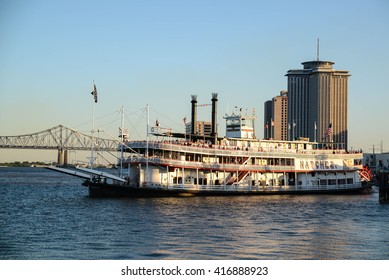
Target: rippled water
[{"x": 45, "y": 215}]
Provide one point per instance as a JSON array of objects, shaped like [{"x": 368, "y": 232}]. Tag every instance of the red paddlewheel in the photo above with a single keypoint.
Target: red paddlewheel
[{"x": 366, "y": 174}]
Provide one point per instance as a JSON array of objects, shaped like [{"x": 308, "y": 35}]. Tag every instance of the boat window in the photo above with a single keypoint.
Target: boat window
[
  {"x": 341, "y": 181},
  {"x": 243, "y": 122},
  {"x": 332, "y": 182},
  {"x": 233, "y": 122}
]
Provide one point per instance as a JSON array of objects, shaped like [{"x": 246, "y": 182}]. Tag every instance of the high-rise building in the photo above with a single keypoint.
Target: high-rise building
[
  {"x": 202, "y": 128},
  {"x": 276, "y": 117},
  {"x": 280, "y": 116},
  {"x": 317, "y": 103},
  {"x": 267, "y": 119}
]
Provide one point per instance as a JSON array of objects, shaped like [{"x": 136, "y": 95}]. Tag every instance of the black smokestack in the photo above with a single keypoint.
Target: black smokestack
[
  {"x": 194, "y": 114},
  {"x": 214, "y": 118}
]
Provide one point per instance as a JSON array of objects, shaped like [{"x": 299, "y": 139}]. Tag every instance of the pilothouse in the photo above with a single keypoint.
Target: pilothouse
[{"x": 240, "y": 126}]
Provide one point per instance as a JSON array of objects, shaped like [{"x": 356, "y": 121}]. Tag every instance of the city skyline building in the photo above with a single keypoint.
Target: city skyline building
[
  {"x": 318, "y": 103},
  {"x": 203, "y": 128},
  {"x": 276, "y": 117},
  {"x": 267, "y": 119},
  {"x": 280, "y": 116}
]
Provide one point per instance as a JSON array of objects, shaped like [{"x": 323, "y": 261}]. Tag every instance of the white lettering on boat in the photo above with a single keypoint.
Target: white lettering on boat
[{"x": 319, "y": 165}]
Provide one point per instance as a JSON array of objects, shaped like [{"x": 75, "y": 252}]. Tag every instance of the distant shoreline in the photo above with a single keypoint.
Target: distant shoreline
[{"x": 25, "y": 164}]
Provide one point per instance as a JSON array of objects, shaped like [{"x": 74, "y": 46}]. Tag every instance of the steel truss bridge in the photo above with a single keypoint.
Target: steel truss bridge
[{"x": 60, "y": 138}]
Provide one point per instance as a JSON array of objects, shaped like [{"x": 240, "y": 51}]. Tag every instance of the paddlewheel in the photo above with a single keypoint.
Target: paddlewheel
[{"x": 365, "y": 174}]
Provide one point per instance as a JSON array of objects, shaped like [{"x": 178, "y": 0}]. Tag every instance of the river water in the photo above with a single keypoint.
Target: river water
[{"x": 47, "y": 215}]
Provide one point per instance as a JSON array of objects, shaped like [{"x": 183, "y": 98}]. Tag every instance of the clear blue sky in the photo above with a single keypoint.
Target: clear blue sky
[{"x": 161, "y": 52}]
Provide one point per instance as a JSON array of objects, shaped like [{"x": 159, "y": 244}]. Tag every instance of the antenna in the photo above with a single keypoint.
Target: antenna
[{"x": 318, "y": 47}]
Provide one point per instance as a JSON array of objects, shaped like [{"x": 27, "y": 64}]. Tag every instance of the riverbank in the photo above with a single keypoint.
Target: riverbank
[{"x": 26, "y": 164}]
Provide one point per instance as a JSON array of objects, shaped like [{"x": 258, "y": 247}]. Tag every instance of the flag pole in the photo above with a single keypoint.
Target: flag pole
[
  {"x": 315, "y": 136},
  {"x": 122, "y": 141},
  {"x": 332, "y": 136},
  {"x": 147, "y": 145},
  {"x": 289, "y": 135},
  {"x": 93, "y": 132},
  {"x": 93, "y": 110},
  {"x": 94, "y": 100}
]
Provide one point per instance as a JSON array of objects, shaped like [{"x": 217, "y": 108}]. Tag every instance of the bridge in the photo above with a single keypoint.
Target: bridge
[{"x": 60, "y": 138}]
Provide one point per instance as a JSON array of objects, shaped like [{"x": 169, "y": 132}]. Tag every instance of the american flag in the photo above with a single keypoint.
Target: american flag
[
  {"x": 328, "y": 131},
  {"x": 94, "y": 93}
]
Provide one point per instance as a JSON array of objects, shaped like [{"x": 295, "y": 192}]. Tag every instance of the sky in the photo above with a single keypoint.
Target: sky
[{"x": 161, "y": 52}]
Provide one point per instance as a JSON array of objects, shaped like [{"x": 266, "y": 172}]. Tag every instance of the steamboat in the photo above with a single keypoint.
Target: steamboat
[
  {"x": 170, "y": 164},
  {"x": 187, "y": 164}
]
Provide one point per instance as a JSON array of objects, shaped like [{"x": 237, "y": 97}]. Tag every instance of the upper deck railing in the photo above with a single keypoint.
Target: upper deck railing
[
  {"x": 232, "y": 167},
  {"x": 223, "y": 150}
]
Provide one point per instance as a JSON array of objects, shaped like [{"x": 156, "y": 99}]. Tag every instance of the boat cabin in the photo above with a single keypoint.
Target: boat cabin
[{"x": 240, "y": 126}]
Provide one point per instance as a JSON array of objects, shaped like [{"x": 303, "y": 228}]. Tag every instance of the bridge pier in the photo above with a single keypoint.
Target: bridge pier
[
  {"x": 62, "y": 157},
  {"x": 59, "y": 157},
  {"x": 65, "y": 157}
]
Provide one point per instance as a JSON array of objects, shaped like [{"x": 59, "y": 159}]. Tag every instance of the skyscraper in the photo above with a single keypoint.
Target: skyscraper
[
  {"x": 276, "y": 117},
  {"x": 268, "y": 117},
  {"x": 317, "y": 102},
  {"x": 202, "y": 128}
]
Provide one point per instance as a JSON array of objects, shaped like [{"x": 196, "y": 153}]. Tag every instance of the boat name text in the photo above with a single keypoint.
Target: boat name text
[{"x": 319, "y": 165}]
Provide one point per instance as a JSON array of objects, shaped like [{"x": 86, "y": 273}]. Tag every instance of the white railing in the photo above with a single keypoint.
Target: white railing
[
  {"x": 238, "y": 151},
  {"x": 237, "y": 188},
  {"x": 220, "y": 166},
  {"x": 212, "y": 166}
]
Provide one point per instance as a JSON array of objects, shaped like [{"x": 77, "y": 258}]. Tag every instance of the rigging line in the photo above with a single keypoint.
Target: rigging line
[
  {"x": 137, "y": 123},
  {"x": 122, "y": 143},
  {"x": 129, "y": 120},
  {"x": 110, "y": 124},
  {"x": 116, "y": 119},
  {"x": 98, "y": 118},
  {"x": 101, "y": 155},
  {"x": 127, "y": 116},
  {"x": 127, "y": 112},
  {"x": 174, "y": 121}
]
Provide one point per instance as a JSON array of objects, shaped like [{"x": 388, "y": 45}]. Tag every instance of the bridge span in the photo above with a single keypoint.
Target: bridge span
[{"x": 60, "y": 138}]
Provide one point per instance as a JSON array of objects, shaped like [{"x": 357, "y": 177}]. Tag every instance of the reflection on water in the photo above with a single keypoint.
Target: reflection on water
[{"x": 45, "y": 215}]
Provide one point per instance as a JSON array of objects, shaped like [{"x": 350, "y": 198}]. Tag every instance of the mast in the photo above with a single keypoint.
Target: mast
[
  {"x": 92, "y": 157},
  {"x": 122, "y": 140},
  {"x": 147, "y": 145}
]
